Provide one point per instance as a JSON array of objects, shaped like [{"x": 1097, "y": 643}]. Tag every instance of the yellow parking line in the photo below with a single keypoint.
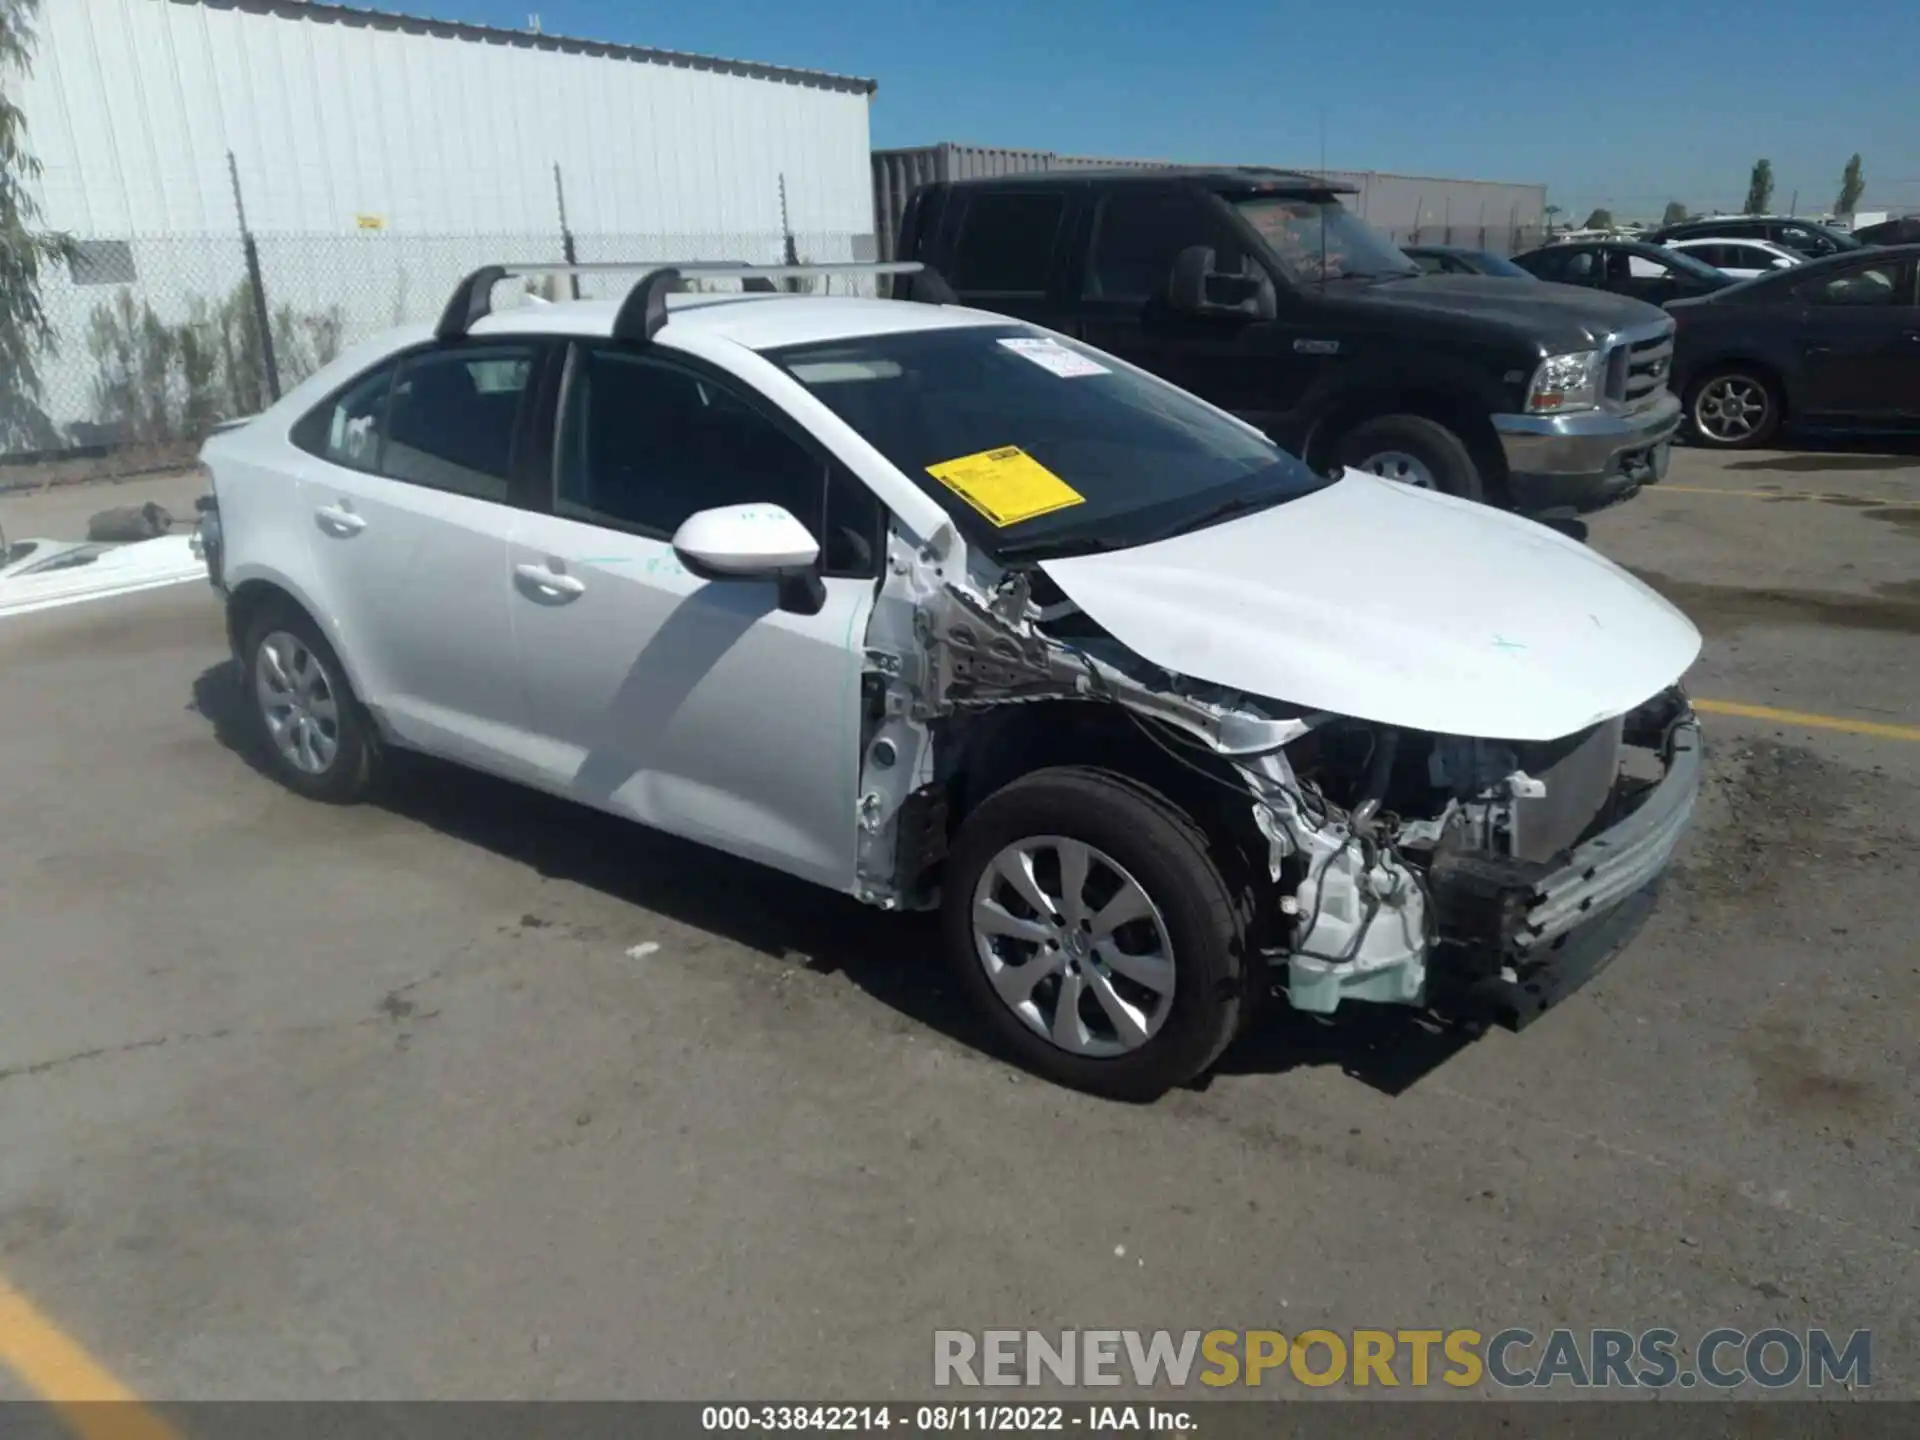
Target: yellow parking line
[
  {"x": 1879, "y": 728},
  {"x": 56, "y": 1367},
  {"x": 1774, "y": 494}
]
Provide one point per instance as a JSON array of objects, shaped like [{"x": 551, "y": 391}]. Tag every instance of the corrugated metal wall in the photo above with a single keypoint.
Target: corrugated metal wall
[
  {"x": 341, "y": 119},
  {"x": 1409, "y": 207}
]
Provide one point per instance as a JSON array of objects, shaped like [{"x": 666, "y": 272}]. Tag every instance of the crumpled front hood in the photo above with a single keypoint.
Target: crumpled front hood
[{"x": 1388, "y": 603}]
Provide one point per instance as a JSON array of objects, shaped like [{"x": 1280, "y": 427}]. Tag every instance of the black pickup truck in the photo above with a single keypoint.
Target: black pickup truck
[{"x": 1257, "y": 290}]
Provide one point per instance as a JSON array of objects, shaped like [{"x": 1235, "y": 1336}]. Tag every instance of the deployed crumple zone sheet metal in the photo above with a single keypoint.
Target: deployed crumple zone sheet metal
[
  {"x": 1396, "y": 605},
  {"x": 53, "y": 573}
]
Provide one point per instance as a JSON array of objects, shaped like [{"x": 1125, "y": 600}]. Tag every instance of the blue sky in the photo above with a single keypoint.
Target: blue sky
[{"x": 1632, "y": 103}]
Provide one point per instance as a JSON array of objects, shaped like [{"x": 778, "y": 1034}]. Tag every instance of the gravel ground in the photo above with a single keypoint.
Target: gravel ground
[{"x": 477, "y": 1094}]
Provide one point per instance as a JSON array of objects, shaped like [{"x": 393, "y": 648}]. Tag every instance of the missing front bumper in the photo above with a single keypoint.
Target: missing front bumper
[{"x": 1529, "y": 935}]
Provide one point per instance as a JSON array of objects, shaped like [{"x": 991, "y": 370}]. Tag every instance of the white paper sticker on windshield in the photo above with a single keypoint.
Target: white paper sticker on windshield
[{"x": 1052, "y": 355}]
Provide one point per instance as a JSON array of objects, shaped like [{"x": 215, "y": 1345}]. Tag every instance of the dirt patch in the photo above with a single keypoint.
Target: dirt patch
[
  {"x": 1906, "y": 517},
  {"x": 1724, "y": 609},
  {"x": 1773, "y": 815},
  {"x": 1791, "y": 1076},
  {"x": 84, "y": 467}
]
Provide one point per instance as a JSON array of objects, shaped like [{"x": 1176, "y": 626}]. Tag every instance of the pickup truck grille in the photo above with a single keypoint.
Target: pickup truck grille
[{"x": 1637, "y": 369}]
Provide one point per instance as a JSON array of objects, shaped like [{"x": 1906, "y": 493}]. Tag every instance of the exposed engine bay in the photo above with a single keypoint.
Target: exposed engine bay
[{"x": 1371, "y": 850}]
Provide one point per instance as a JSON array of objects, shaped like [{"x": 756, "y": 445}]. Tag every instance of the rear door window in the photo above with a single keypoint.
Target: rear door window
[
  {"x": 452, "y": 416},
  {"x": 1006, "y": 243}
]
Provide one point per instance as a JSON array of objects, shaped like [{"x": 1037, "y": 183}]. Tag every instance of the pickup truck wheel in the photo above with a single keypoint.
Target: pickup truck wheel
[
  {"x": 1733, "y": 409},
  {"x": 1414, "y": 450},
  {"x": 312, "y": 733},
  {"x": 1085, "y": 918}
]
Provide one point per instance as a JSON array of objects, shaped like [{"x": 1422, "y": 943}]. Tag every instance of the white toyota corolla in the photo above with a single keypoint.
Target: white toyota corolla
[{"x": 934, "y": 607}]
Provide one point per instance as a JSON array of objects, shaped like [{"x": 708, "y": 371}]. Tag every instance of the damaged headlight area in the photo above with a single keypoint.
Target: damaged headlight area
[{"x": 1415, "y": 866}]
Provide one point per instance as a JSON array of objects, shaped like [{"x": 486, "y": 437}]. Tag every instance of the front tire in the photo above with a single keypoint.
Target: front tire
[
  {"x": 1086, "y": 919},
  {"x": 310, "y": 728},
  {"x": 1733, "y": 409},
  {"x": 1415, "y": 451}
]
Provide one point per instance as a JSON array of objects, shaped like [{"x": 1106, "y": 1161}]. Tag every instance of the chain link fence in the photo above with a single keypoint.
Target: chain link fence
[
  {"x": 159, "y": 338},
  {"x": 1500, "y": 239}
]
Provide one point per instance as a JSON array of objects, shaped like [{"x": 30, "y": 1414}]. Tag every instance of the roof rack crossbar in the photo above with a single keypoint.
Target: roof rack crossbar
[{"x": 643, "y": 312}]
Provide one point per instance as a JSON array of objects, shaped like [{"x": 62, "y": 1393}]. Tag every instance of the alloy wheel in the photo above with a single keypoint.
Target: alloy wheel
[
  {"x": 299, "y": 702},
  {"x": 1731, "y": 408},
  {"x": 1073, "y": 945}
]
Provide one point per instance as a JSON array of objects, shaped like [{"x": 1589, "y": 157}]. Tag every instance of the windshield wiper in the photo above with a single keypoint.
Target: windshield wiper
[{"x": 1225, "y": 510}]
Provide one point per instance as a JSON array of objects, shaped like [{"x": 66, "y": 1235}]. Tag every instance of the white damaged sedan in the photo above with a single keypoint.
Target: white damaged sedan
[{"x": 939, "y": 609}]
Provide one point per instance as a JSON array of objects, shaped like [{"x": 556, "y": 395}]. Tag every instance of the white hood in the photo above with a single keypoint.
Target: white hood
[{"x": 1397, "y": 605}]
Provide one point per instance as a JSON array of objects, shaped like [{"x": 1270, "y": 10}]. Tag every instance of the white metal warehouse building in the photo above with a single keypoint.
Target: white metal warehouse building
[{"x": 381, "y": 156}]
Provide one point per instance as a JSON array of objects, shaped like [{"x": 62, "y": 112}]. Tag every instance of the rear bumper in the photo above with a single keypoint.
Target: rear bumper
[{"x": 1586, "y": 460}]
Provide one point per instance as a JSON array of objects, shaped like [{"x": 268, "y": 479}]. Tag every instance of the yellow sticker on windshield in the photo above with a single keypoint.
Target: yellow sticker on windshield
[{"x": 1006, "y": 485}]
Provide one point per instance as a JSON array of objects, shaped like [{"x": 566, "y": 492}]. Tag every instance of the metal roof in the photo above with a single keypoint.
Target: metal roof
[
  {"x": 1218, "y": 176},
  {"x": 573, "y": 45}
]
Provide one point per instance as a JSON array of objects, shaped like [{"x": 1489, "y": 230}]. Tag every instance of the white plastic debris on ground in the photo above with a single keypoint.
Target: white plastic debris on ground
[{"x": 46, "y": 574}]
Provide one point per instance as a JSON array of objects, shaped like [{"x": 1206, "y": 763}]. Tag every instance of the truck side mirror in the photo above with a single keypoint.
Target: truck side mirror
[{"x": 1198, "y": 287}]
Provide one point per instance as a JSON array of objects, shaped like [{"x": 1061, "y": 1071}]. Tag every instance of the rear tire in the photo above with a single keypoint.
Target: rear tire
[
  {"x": 312, "y": 733},
  {"x": 1152, "y": 999},
  {"x": 1733, "y": 408},
  {"x": 1414, "y": 450}
]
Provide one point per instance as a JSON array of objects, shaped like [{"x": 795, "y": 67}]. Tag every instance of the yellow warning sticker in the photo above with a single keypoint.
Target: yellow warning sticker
[{"x": 1006, "y": 485}]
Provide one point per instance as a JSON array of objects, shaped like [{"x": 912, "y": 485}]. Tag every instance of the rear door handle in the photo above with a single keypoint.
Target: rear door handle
[
  {"x": 339, "y": 521},
  {"x": 547, "y": 585}
]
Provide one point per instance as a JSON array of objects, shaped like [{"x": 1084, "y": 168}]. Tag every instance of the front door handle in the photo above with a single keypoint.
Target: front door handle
[
  {"x": 339, "y": 521},
  {"x": 547, "y": 585}
]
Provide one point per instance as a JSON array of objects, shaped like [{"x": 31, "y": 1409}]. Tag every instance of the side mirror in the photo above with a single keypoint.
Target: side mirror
[
  {"x": 1198, "y": 287},
  {"x": 754, "y": 542}
]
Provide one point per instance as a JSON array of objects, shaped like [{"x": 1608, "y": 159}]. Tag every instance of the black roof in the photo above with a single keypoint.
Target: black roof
[
  {"x": 1212, "y": 177},
  {"x": 1443, "y": 250}
]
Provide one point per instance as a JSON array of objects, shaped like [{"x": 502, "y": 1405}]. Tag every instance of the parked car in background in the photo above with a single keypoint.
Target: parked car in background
[
  {"x": 1258, "y": 290},
  {"x": 1803, "y": 237},
  {"x": 1625, "y": 267},
  {"x": 1742, "y": 259},
  {"x": 1902, "y": 231},
  {"x": 1831, "y": 342},
  {"x": 930, "y": 607},
  {"x": 1456, "y": 260}
]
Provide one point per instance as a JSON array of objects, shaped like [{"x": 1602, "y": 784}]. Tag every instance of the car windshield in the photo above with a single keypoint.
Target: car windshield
[
  {"x": 1491, "y": 264},
  {"x": 1315, "y": 238},
  {"x": 1689, "y": 265},
  {"x": 1039, "y": 446}
]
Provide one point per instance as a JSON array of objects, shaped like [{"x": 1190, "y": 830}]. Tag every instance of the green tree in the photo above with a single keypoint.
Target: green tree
[
  {"x": 1853, "y": 184},
  {"x": 1600, "y": 219},
  {"x": 25, "y": 333},
  {"x": 1673, "y": 214},
  {"x": 1760, "y": 188}
]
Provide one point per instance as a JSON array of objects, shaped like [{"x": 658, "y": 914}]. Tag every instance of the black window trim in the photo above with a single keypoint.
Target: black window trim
[
  {"x": 831, "y": 465},
  {"x": 393, "y": 362}
]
